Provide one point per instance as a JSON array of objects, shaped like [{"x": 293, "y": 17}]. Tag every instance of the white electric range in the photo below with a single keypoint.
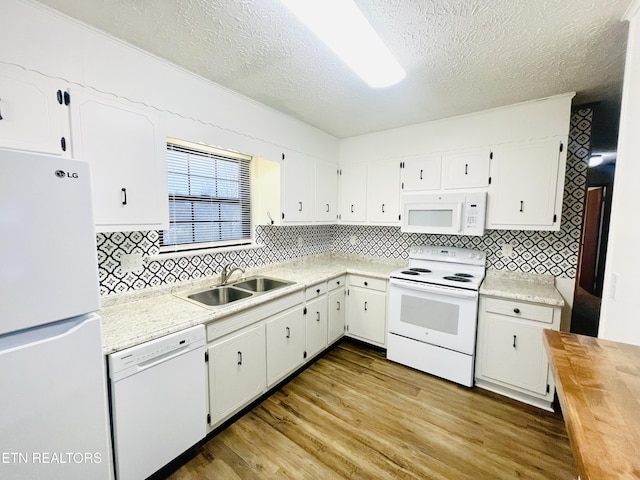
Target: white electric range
[{"x": 433, "y": 311}]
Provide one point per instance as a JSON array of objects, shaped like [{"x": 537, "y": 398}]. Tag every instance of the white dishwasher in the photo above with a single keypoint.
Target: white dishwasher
[{"x": 158, "y": 401}]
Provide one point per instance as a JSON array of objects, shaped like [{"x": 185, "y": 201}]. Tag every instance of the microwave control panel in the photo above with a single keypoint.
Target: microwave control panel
[{"x": 475, "y": 206}]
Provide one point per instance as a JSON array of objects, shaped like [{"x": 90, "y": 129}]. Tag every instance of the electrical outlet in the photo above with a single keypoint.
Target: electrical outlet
[
  {"x": 300, "y": 241},
  {"x": 130, "y": 262},
  {"x": 353, "y": 240},
  {"x": 507, "y": 250}
]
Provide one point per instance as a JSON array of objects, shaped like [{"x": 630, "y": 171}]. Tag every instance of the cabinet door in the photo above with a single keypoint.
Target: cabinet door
[
  {"x": 326, "y": 207},
  {"x": 237, "y": 372},
  {"x": 285, "y": 344},
  {"x": 298, "y": 189},
  {"x": 353, "y": 193},
  {"x": 316, "y": 325},
  {"x": 336, "y": 313},
  {"x": 525, "y": 186},
  {"x": 421, "y": 173},
  {"x": 366, "y": 315},
  {"x": 466, "y": 168},
  {"x": 33, "y": 114},
  {"x": 513, "y": 353},
  {"x": 127, "y": 152},
  {"x": 383, "y": 192}
]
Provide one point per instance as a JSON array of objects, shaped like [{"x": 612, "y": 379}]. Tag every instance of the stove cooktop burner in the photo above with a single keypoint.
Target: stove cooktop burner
[
  {"x": 456, "y": 278},
  {"x": 409, "y": 272},
  {"x": 463, "y": 275},
  {"x": 420, "y": 270}
]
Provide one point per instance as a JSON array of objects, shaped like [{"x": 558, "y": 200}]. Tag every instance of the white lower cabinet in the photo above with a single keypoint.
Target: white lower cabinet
[
  {"x": 316, "y": 326},
  {"x": 237, "y": 372},
  {"x": 285, "y": 344},
  {"x": 336, "y": 313},
  {"x": 511, "y": 359},
  {"x": 367, "y": 309}
]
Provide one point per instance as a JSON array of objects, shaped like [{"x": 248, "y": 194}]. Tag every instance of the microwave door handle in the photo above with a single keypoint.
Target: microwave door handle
[{"x": 425, "y": 287}]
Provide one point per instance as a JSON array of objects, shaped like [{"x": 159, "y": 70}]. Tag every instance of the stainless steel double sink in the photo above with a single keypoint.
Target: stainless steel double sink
[{"x": 226, "y": 294}]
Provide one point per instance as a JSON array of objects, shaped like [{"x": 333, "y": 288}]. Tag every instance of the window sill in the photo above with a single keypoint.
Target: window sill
[{"x": 205, "y": 251}]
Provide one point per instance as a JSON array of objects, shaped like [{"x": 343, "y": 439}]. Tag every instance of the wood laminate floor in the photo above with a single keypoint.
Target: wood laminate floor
[{"x": 355, "y": 415}]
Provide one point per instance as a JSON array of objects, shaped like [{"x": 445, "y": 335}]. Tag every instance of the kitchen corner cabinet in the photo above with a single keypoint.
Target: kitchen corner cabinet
[
  {"x": 421, "y": 173},
  {"x": 466, "y": 168},
  {"x": 527, "y": 184},
  {"x": 353, "y": 193},
  {"x": 326, "y": 192},
  {"x": 285, "y": 344},
  {"x": 126, "y": 148},
  {"x": 336, "y": 308},
  {"x": 511, "y": 359},
  {"x": 383, "y": 192},
  {"x": 34, "y": 112},
  {"x": 298, "y": 189},
  {"x": 237, "y": 372},
  {"x": 315, "y": 314},
  {"x": 367, "y": 309}
]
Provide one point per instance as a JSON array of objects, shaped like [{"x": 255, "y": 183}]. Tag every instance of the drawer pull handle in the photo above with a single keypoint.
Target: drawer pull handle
[
  {"x": 327, "y": 207},
  {"x": 239, "y": 358},
  {"x": 365, "y": 306},
  {"x": 516, "y": 310},
  {"x": 351, "y": 208},
  {"x": 338, "y": 306},
  {"x": 466, "y": 169},
  {"x": 318, "y": 319},
  {"x": 288, "y": 332},
  {"x": 383, "y": 208},
  {"x": 124, "y": 195},
  {"x": 514, "y": 341},
  {"x": 420, "y": 174},
  {"x": 521, "y": 206},
  {"x": 300, "y": 209}
]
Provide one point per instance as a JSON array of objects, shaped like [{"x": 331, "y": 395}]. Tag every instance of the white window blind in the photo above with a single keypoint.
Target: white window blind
[{"x": 209, "y": 198}]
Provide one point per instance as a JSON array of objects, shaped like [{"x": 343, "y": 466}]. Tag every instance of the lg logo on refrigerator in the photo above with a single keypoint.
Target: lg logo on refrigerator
[{"x": 63, "y": 174}]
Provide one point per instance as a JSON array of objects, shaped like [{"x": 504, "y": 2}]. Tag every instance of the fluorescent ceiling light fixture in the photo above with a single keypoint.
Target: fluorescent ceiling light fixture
[
  {"x": 595, "y": 160},
  {"x": 344, "y": 29}
]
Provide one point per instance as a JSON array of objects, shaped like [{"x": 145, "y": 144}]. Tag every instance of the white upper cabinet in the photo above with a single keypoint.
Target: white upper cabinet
[
  {"x": 126, "y": 148},
  {"x": 353, "y": 193},
  {"x": 34, "y": 114},
  {"x": 466, "y": 168},
  {"x": 326, "y": 205},
  {"x": 383, "y": 192},
  {"x": 527, "y": 182},
  {"x": 298, "y": 190},
  {"x": 421, "y": 172}
]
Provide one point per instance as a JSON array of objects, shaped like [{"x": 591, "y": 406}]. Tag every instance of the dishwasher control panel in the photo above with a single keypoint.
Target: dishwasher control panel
[{"x": 157, "y": 349}]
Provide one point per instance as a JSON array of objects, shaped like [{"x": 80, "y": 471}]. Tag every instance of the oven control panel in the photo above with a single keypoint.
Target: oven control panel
[{"x": 447, "y": 254}]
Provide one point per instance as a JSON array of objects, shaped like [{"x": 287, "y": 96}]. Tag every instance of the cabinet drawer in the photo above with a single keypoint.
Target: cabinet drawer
[
  {"x": 337, "y": 282},
  {"x": 315, "y": 291},
  {"x": 526, "y": 311},
  {"x": 368, "y": 282}
]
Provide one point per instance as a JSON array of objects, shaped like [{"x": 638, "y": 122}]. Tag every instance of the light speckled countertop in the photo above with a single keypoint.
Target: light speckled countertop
[
  {"x": 530, "y": 287},
  {"x": 135, "y": 317}
]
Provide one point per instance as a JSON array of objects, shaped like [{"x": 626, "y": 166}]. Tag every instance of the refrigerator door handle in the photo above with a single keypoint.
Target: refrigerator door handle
[{"x": 40, "y": 335}]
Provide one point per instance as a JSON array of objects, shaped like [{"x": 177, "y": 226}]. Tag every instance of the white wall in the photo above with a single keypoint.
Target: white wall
[
  {"x": 45, "y": 41},
  {"x": 530, "y": 120},
  {"x": 619, "y": 317}
]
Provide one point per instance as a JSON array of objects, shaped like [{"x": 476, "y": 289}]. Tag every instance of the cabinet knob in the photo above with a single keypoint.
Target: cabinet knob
[
  {"x": 366, "y": 283},
  {"x": 516, "y": 310},
  {"x": 318, "y": 291}
]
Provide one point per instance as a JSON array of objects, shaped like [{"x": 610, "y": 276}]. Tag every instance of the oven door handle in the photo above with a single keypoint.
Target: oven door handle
[{"x": 425, "y": 287}]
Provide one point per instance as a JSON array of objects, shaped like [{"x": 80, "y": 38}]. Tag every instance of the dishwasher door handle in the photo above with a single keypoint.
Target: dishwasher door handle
[{"x": 152, "y": 362}]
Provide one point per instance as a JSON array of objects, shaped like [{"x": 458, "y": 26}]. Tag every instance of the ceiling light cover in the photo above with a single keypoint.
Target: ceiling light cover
[{"x": 344, "y": 29}]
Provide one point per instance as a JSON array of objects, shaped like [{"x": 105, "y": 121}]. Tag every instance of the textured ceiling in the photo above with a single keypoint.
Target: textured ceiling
[{"x": 461, "y": 56}]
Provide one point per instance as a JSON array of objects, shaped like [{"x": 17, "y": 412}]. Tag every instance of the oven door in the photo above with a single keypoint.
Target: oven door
[{"x": 442, "y": 316}]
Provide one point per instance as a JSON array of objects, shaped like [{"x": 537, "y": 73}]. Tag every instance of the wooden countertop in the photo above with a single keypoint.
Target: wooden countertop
[{"x": 598, "y": 384}]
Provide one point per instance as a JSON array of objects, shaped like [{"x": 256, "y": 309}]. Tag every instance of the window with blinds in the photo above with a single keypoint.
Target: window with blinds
[{"x": 209, "y": 198}]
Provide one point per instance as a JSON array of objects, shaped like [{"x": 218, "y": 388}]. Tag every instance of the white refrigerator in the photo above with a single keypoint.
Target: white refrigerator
[{"x": 54, "y": 418}]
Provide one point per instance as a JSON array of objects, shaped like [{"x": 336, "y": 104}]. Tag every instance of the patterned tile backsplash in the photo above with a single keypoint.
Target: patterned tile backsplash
[{"x": 554, "y": 253}]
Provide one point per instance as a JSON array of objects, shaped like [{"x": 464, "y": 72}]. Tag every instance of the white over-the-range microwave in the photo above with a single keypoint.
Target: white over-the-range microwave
[{"x": 461, "y": 213}]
